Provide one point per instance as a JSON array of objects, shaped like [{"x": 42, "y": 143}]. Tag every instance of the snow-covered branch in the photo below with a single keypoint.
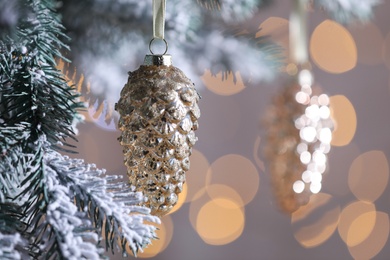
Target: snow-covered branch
[
  {"x": 13, "y": 160},
  {"x": 67, "y": 231},
  {"x": 10, "y": 245},
  {"x": 346, "y": 11},
  {"x": 109, "y": 203}
]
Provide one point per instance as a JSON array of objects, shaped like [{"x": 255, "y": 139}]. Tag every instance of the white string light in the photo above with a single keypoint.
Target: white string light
[{"x": 315, "y": 129}]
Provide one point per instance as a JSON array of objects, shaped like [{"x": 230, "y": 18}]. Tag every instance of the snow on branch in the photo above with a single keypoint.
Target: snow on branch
[
  {"x": 13, "y": 160},
  {"x": 69, "y": 229},
  {"x": 110, "y": 205},
  {"x": 233, "y": 10},
  {"x": 346, "y": 11},
  {"x": 10, "y": 245},
  {"x": 12, "y": 242},
  {"x": 255, "y": 58}
]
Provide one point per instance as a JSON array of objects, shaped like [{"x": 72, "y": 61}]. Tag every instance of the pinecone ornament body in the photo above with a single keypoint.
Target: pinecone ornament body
[
  {"x": 298, "y": 141},
  {"x": 281, "y": 151},
  {"x": 159, "y": 113}
]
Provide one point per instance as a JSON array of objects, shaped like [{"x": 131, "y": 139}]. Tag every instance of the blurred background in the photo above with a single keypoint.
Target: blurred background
[{"x": 228, "y": 210}]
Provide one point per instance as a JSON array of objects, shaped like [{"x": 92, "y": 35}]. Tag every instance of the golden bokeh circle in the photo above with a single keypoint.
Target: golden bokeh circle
[
  {"x": 311, "y": 231},
  {"x": 316, "y": 201},
  {"x": 333, "y": 48},
  {"x": 223, "y": 85},
  {"x": 369, "y": 175},
  {"x": 376, "y": 241},
  {"x": 196, "y": 175},
  {"x": 360, "y": 228},
  {"x": 164, "y": 234},
  {"x": 344, "y": 115},
  {"x": 201, "y": 198},
  {"x": 181, "y": 199},
  {"x": 237, "y": 172},
  {"x": 357, "y": 221},
  {"x": 220, "y": 221},
  {"x": 217, "y": 191}
]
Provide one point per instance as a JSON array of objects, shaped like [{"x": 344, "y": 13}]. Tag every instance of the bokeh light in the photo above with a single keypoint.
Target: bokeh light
[
  {"x": 345, "y": 119},
  {"x": 376, "y": 240},
  {"x": 164, "y": 234},
  {"x": 369, "y": 41},
  {"x": 216, "y": 191},
  {"x": 220, "y": 221},
  {"x": 224, "y": 86},
  {"x": 277, "y": 28},
  {"x": 332, "y": 47},
  {"x": 361, "y": 228},
  {"x": 316, "y": 201},
  {"x": 99, "y": 112},
  {"x": 313, "y": 229},
  {"x": 369, "y": 175},
  {"x": 236, "y": 172},
  {"x": 195, "y": 205},
  {"x": 196, "y": 176},
  {"x": 352, "y": 229},
  {"x": 181, "y": 200}
]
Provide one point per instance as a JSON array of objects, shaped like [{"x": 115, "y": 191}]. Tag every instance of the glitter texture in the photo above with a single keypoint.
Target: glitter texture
[{"x": 159, "y": 113}]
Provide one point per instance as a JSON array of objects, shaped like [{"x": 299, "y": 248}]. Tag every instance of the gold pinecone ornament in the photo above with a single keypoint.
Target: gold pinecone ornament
[
  {"x": 282, "y": 140},
  {"x": 299, "y": 138},
  {"x": 159, "y": 113}
]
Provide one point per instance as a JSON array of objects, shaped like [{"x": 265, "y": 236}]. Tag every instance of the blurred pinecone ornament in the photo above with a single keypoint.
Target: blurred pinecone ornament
[
  {"x": 299, "y": 132},
  {"x": 159, "y": 113}
]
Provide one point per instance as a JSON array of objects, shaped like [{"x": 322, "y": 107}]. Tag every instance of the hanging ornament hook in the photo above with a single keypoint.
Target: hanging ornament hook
[
  {"x": 159, "y": 9},
  {"x": 298, "y": 33},
  {"x": 150, "y": 46}
]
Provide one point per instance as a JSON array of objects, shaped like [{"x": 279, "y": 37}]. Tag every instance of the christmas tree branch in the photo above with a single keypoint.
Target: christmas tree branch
[
  {"x": 33, "y": 79},
  {"x": 241, "y": 52},
  {"x": 12, "y": 243},
  {"x": 11, "y": 246},
  {"x": 58, "y": 226},
  {"x": 110, "y": 204},
  {"x": 347, "y": 11}
]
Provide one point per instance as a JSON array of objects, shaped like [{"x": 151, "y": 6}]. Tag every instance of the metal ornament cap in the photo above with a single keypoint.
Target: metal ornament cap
[{"x": 158, "y": 60}]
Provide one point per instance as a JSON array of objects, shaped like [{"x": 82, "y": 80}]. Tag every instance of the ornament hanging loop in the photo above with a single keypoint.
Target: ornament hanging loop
[{"x": 150, "y": 46}]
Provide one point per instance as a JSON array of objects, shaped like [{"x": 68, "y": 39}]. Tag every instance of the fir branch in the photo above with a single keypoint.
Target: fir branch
[
  {"x": 13, "y": 161},
  {"x": 42, "y": 33},
  {"x": 110, "y": 204},
  {"x": 347, "y": 11},
  {"x": 60, "y": 230},
  {"x": 241, "y": 52},
  {"x": 11, "y": 247},
  {"x": 210, "y": 4},
  {"x": 233, "y": 10},
  {"x": 12, "y": 243},
  {"x": 28, "y": 76}
]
